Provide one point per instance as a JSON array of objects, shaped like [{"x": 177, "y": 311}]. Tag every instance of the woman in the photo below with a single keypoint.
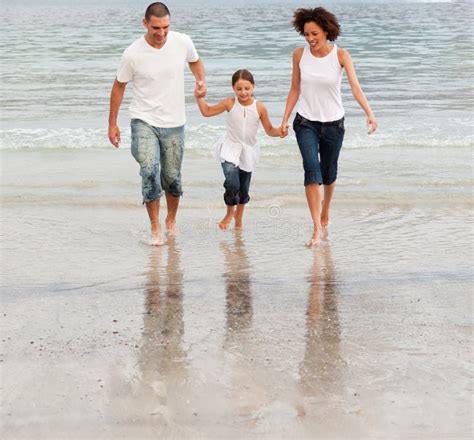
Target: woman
[{"x": 319, "y": 122}]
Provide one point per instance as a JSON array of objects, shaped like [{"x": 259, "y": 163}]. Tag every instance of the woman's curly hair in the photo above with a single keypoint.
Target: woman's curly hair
[{"x": 325, "y": 19}]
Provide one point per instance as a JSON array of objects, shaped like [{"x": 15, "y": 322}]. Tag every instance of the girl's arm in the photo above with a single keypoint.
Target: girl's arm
[
  {"x": 346, "y": 62},
  {"x": 294, "y": 92},
  {"x": 267, "y": 125},
  {"x": 213, "y": 110}
]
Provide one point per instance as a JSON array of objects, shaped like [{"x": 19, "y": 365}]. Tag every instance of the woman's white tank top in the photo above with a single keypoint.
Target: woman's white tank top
[
  {"x": 320, "y": 87},
  {"x": 239, "y": 145}
]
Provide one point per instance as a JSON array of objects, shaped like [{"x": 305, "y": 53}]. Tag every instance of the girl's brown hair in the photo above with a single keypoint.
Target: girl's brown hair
[{"x": 242, "y": 74}]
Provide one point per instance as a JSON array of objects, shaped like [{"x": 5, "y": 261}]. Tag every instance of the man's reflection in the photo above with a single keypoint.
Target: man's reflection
[
  {"x": 162, "y": 358},
  {"x": 320, "y": 370}
]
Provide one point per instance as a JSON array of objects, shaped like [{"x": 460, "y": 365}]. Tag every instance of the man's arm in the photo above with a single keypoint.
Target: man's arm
[
  {"x": 116, "y": 97},
  {"x": 197, "y": 68}
]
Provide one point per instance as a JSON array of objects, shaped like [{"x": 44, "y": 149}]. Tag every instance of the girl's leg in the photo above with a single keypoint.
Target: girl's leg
[
  {"x": 231, "y": 195},
  {"x": 244, "y": 178},
  {"x": 239, "y": 216}
]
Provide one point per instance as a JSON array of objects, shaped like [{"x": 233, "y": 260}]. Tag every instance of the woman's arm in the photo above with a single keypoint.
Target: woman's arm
[
  {"x": 267, "y": 125},
  {"x": 213, "y": 110},
  {"x": 346, "y": 62},
  {"x": 294, "y": 92}
]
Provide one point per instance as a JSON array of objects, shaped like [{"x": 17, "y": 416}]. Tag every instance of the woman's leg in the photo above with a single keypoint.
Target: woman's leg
[
  {"x": 313, "y": 197},
  {"x": 329, "y": 148},
  {"x": 307, "y": 136}
]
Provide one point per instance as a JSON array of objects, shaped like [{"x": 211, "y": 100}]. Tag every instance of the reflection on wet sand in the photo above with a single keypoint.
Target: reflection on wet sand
[
  {"x": 162, "y": 359},
  {"x": 320, "y": 369},
  {"x": 239, "y": 341}
]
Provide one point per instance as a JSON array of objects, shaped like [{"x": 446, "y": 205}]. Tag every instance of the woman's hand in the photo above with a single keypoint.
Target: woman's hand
[
  {"x": 371, "y": 124},
  {"x": 284, "y": 128}
]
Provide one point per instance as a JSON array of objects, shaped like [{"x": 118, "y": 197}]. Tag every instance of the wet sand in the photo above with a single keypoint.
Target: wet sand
[
  {"x": 227, "y": 335},
  {"x": 230, "y": 335}
]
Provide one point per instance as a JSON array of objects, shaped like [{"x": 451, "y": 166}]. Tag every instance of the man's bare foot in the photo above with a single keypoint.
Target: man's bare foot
[
  {"x": 156, "y": 235},
  {"x": 171, "y": 227},
  {"x": 225, "y": 222}
]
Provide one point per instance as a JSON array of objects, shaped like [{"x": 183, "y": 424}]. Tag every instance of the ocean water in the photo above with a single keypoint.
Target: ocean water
[{"x": 413, "y": 59}]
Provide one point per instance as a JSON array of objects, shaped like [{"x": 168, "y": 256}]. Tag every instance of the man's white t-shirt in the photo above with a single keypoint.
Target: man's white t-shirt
[{"x": 158, "y": 79}]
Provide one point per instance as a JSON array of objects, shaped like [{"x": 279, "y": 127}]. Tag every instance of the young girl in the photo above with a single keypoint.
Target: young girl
[{"x": 238, "y": 151}]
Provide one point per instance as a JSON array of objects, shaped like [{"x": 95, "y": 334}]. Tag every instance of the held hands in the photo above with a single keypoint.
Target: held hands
[
  {"x": 284, "y": 128},
  {"x": 114, "y": 135},
  {"x": 200, "y": 89},
  {"x": 282, "y": 133}
]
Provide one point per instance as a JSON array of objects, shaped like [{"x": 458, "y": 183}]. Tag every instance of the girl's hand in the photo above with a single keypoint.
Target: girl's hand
[{"x": 371, "y": 124}]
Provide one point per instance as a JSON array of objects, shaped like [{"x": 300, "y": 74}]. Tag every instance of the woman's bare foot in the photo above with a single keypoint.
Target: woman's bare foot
[{"x": 315, "y": 238}]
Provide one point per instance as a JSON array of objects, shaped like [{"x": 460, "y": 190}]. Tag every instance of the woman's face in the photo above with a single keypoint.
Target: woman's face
[{"x": 315, "y": 35}]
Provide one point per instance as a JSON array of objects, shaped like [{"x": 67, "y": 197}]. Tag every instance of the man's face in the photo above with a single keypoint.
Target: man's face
[{"x": 157, "y": 30}]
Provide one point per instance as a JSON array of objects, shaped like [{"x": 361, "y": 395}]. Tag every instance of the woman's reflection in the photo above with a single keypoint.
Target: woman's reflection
[{"x": 320, "y": 370}]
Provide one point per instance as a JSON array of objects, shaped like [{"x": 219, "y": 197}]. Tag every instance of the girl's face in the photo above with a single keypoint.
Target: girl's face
[
  {"x": 315, "y": 35},
  {"x": 243, "y": 90}
]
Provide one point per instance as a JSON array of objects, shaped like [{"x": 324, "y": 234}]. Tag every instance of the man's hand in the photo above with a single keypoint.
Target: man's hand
[
  {"x": 114, "y": 135},
  {"x": 200, "y": 89}
]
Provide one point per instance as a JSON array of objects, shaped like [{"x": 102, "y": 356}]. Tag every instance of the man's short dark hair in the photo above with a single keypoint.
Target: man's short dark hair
[{"x": 157, "y": 9}]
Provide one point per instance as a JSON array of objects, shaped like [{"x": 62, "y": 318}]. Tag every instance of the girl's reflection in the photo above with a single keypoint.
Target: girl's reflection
[{"x": 239, "y": 338}]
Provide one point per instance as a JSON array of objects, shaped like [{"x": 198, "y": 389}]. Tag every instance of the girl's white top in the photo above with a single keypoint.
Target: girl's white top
[
  {"x": 320, "y": 87},
  {"x": 239, "y": 144}
]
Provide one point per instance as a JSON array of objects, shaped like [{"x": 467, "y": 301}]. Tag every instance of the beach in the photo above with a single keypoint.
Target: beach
[
  {"x": 229, "y": 334},
  {"x": 238, "y": 334}
]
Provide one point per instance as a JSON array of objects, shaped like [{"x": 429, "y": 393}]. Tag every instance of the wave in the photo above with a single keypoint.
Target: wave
[{"x": 200, "y": 139}]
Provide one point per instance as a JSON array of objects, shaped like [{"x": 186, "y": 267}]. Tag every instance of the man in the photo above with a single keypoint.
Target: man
[{"x": 155, "y": 64}]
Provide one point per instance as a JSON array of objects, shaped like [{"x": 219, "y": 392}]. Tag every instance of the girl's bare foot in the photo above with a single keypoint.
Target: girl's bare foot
[{"x": 225, "y": 222}]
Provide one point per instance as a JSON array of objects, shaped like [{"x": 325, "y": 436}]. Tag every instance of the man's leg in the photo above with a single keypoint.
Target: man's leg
[
  {"x": 171, "y": 154},
  {"x": 145, "y": 150},
  {"x": 172, "y": 204}
]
